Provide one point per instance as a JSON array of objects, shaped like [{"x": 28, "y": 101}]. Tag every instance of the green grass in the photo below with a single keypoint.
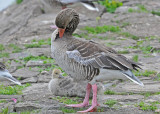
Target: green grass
[
  {"x": 4, "y": 55},
  {"x": 135, "y": 58},
  {"x": 146, "y": 107},
  {"x": 66, "y": 110},
  {"x": 39, "y": 43},
  {"x": 125, "y": 24},
  {"x": 123, "y": 52},
  {"x": 129, "y": 35},
  {"x": 2, "y": 47},
  {"x": 33, "y": 45},
  {"x": 16, "y": 49},
  {"x": 102, "y": 29},
  {"x": 19, "y": 1},
  {"x": 111, "y": 5},
  {"x": 109, "y": 44},
  {"x": 109, "y": 92},
  {"x": 45, "y": 58},
  {"x": 3, "y": 101},
  {"x": 110, "y": 102},
  {"x": 12, "y": 90},
  {"x": 67, "y": 100},
  {"x": 4, "y": 111},
  {"x": 82, "y": 35},
  {"x": 141, "y": 9},
  {"x": 156, "y": 13},
  {"x": 146, "y": 73}
]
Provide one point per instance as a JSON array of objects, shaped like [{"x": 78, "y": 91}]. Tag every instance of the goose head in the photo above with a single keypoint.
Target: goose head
[
  {"x": 57, "y": 74},
  {"x": 67, "y": 21}
]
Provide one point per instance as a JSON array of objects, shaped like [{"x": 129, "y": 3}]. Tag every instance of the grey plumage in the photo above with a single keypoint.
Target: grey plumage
[
  {"x": 84, "y": 59},
  {"x": 4, "y": 74},
  {"x": 65, "y": 86}
]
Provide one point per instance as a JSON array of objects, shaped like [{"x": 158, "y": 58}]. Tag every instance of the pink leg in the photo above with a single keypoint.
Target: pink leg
[
  {"x": 86, "y": 99},
  {"x": 94, "y": 100}
]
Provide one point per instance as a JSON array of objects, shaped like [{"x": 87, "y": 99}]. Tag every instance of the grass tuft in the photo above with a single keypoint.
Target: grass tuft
[
  {"x": 111, "y": 5},
  {"x": 109, "y": 92},
  {"x": 110, "y": 102},
  {"x": 12, "y": 90},
  {"x": 102, "y": 29},
  {"x": 2, "y": 47},
  {"x": 19, "y": 1}
]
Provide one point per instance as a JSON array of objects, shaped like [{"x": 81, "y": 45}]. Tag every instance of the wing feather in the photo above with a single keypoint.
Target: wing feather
[{"x": 99, "y": 56}]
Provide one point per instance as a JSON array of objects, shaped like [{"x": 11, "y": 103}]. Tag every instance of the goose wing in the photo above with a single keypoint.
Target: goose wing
[{"x": 99, "y": 56}]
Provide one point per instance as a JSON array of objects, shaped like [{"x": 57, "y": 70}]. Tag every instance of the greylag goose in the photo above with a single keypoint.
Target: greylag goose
[
  {"x": 65, "y": 86},
  {"x": 54, "y": 82},
  {"x": 4, "y": 74},
  {"x": 83, "y": 60}
]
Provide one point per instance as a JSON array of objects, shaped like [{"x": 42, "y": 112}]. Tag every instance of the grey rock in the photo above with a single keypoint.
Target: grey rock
[
  {"x": 9, "y": 97},
  {"x": 39, "y": 51},
  {"x": 122, "y": 98},
  {"x": 44, "y": 78},
  {"x": 18, "y": 55},
  {"x": 33, "y": 63},
  {"x": 28, "y": 106},
  {"x": 51, "y": 112},
  {"x": 149, "y": 86},
  {"x": 124, "y": 9},
  {"x": 30, "y": 80},
  {"x": 25, "y": 73}
]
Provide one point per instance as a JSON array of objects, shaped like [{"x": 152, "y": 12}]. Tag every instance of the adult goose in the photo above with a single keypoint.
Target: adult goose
[
  {"x": 4, "y": 74},
  {"x": 84, "y": 60}
]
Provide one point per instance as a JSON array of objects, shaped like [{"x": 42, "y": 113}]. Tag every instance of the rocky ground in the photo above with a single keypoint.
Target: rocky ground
[{"x": 25, "y": 49}]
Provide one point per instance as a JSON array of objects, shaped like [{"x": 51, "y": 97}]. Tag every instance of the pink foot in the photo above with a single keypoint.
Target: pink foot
[
  {"x": 86, "y": 99},
  {"x": 94, "y": 101},
  {"x": 91, "y": 109}
]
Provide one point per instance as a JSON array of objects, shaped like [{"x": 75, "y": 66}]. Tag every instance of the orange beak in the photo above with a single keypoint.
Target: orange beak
[{"x": 61, "y": 32}]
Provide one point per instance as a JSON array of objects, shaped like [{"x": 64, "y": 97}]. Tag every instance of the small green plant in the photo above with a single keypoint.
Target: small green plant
[
  {"x": 3, "y": 101},
  {"x": 109, "y": 92},
  {"x": 155, "y": 12},
  {"x": 2, "y": 47},
  {"x": 66, "y": 110},
  {"x": 4, "y": 55},
  {"x": 39, "y": 43},
  {"x": 140, "y": 10},
  {"x": 111, "y": 5},
  {"x": 125, "y": 24},
  {"x": 144, "y": 106},
  {"x": 135, "y": 58},
  {"x": 127, "y": 34},
  {"x": 123, "y": 52},
  {"x": 34, "y": 45},
  {"x": 12, "y": 90},
  {"x": 67, "y": 100},
  {"x": 146, "y": 73},
  {"x": 19, "y": 1},
  {"x": 16, "y": 49},
  {"x": 102, "y": 29},
  {"x": 4, "y": 110},
  {"x": 110, "y": 102}
]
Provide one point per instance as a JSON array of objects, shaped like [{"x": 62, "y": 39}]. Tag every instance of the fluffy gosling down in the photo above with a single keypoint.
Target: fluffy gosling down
[
  {"x": 5, "y": 75},
  {"x": 54, "y": 82}
]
